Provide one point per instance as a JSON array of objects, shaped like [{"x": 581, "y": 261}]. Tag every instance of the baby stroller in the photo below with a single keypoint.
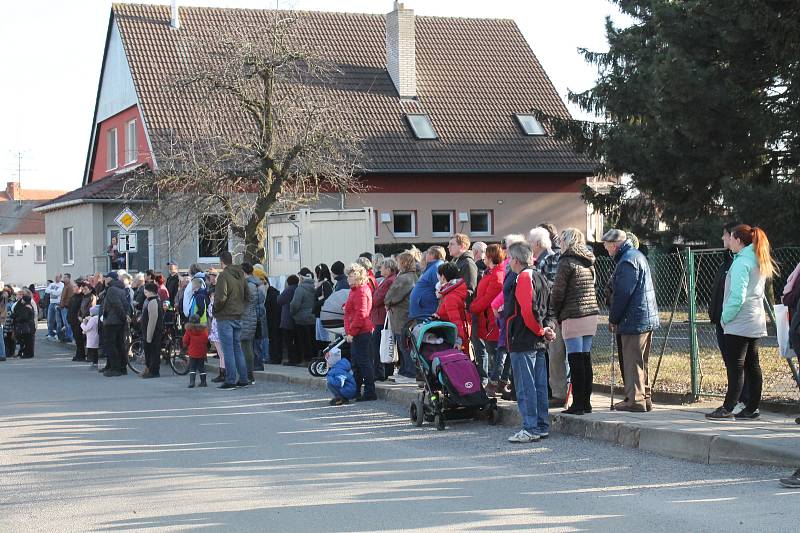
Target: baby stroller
[
  {"x": 452, "y": 388},
  {"x": 332, "y": 317}
]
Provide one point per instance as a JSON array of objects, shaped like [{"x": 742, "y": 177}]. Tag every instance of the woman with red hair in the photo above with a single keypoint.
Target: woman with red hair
[{"x": 743, "y": 319}]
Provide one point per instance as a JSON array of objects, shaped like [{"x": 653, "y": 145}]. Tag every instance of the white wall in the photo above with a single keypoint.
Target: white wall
[{"x": 21, "y": 270}]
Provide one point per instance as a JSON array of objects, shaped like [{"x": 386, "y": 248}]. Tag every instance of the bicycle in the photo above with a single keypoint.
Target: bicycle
[{"x": 171, "y": 351}]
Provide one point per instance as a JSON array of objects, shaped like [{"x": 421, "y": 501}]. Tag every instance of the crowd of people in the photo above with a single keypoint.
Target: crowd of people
[{"x": 525, "y": 309}]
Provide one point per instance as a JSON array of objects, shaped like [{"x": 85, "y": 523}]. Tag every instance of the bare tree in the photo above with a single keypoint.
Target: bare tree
[{"x": 269, "y": 131}]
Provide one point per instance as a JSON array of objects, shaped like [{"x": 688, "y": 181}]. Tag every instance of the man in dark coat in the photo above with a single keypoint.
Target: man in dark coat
[{"x": 116, "y": 312}]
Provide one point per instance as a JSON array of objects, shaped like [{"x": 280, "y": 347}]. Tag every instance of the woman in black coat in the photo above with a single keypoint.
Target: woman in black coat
[{"x": 24, "y": 322}]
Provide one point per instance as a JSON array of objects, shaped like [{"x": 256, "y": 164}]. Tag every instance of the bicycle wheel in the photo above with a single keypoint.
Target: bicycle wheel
[
  {"x": 178, "y": 361},
  {"x": 136, "y": 361}
]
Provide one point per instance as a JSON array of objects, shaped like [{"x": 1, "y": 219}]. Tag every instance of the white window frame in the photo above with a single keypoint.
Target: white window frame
[
  {"x": 21, "y": 252},
  {"x": 294, "y": 248},
  {"x": 68, "y": 236},
  {"x": 131, "y": 150},
  {"x": 202, "y": 259},
  {"x": 413, "y": 232},
  {"x": 277, "y": 248},
  {"x": 112, "y": 133},
  {"x": 11, "y": 251},
  {"x": 40, "y": 253},
  {"x": 451, "y": 216},
  {"x": 489, "y": 219}
]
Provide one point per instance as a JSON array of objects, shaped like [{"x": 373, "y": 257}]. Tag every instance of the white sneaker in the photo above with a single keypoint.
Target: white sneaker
[
  {"x": 523, "y": 437},
  {"x": 403, "y": 380},
  {"x": 738, "y": 408}
]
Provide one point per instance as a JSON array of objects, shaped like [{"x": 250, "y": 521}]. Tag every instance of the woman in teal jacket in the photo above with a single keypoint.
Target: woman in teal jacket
[{"x": 743, "y": 319}]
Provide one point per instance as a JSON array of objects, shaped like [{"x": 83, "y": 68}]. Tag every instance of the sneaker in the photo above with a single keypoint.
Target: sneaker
[
  {"x": 243, "y": 384},
  {"x": 738, "y": 408},
  {"x": 793, "y": 481},
  {"x": 523, "y": 437},
  {"x": 720, "y": 414},
  {"x": 746, "y": 414},
  {"x": 542, "y": 435},
  {"x": 404, "y": 380},
  {"x": 227, "y": 386}
]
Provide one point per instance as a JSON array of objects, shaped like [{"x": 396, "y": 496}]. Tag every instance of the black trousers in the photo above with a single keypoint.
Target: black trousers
[
  {"x": 306, "y": 342},
  {"x": 198, "y": 365},
  {"x": 741, "y": 359},
  {"x": 10, "y": 342},
  {"x": 92, "y": 354},
  {"x": 289, "y": 344},
  {"x": 26, "y": 344},
  {"x": 114, "y": 346},
  {"x": 152, "y": 356},
  {"x": 275, "y": 346},
  {"x": 80, "y": 341}
]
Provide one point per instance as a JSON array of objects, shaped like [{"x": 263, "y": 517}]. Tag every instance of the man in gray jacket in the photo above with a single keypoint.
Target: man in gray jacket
[{"x": 302, "y": 311}]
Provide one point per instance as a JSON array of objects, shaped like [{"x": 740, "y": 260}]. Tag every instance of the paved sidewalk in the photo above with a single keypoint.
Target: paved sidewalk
[{"x": 680, "y": 431}]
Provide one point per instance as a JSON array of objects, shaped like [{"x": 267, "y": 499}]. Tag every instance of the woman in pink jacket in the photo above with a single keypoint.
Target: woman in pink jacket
[{"x": 358, "y": 331}]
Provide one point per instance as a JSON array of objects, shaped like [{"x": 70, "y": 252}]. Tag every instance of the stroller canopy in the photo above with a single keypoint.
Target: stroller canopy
[{"x": 446, "y": 330}]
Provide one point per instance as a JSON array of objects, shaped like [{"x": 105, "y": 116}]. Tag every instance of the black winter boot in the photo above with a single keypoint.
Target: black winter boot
[
  {"x": 588, "y": 382},
  {"x": 191, "y": 379},
  {"x": 203, "y": 380},
  {"x": 576, "y": 377},
  {"x": 220, "y": 378}
]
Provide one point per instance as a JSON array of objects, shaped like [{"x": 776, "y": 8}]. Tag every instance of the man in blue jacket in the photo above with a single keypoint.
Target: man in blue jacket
[
  {"x": 423, "y": 302},
  {"x": 633, "y": 315}
]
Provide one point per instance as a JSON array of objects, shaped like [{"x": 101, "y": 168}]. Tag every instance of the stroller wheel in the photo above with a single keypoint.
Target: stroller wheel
[
  {"x": 416, "y": 412},
  {"x": 312, "y": 368},
  {"x": 322, "y": 368},
  {"x": 438, "y": 420}
]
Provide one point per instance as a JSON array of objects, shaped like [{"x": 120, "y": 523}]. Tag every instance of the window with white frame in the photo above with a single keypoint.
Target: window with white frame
[
  {"x": 10, "y": 251},
  {"x": 404, "y": 223},
  {"x": 40, "y": 255},
  {"x": 20, "y": 252},
  {"x": 69, "y": 246},
  {"x": 480, "y": 222},
  {"x": 294, "y": 244},
  {"x": 131, "y": 152},
  {"x": 212, "y": 236},
  {"x": 277, "y": 248},
  {"x": 112, "y": 160},
  {"x": 442, "y": 223}
]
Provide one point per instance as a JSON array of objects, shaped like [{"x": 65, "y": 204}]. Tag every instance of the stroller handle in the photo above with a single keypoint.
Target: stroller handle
[{"x": 338, "y": 344}]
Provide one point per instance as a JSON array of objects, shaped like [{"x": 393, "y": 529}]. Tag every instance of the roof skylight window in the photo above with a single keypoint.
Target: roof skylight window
[
  {"x": 422, "y": 126},
  {"x": 530, "y": 125}
]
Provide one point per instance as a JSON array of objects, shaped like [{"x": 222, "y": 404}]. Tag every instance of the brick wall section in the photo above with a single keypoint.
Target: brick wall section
[{"x": 401, "y": 47}]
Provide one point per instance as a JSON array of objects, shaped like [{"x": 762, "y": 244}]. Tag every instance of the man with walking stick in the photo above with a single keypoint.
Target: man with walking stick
[{"x": 633, "y": 315}]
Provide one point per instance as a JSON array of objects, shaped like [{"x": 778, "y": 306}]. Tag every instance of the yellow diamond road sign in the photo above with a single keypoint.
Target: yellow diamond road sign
[{"x": 127, "y": 219}]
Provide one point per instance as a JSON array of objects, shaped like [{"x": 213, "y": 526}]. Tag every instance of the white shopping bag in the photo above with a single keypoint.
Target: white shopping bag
[
  {"x": 388, "y": 347},
  {"x": 782, "y": 325}
]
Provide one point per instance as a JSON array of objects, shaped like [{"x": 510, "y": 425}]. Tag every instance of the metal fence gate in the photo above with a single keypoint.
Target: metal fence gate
[{"x": 685, "y": 358}]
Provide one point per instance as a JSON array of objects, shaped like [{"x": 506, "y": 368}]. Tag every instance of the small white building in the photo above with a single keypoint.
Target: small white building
[
  {"x": 306, "y": 238},
  {"x": 21, "y": 266}
]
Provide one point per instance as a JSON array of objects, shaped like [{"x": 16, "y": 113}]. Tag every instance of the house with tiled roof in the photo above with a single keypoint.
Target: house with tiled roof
[
  {"x": 443, "y": 105},
  {"x": 20, "y": 224}
]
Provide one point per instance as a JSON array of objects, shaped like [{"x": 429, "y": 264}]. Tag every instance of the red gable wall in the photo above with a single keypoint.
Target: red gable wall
[{"x": 119, "y": 121}]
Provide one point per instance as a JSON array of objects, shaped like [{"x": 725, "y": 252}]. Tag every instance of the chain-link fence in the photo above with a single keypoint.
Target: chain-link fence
[{"x": 685, "y": 358}]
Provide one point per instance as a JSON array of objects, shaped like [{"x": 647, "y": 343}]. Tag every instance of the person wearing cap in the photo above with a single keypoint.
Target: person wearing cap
[
  {"x": 172, "y": 282},
  {"x": 633, "y": 314},
  {"x": 116, "y": 310}
]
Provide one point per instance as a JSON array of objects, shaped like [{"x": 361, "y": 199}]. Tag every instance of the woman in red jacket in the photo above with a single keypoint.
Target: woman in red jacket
[
  {"x": 490, "y": 285},
  {"x": 358, "y": 331},
  {"x": 453, "y": 304}
]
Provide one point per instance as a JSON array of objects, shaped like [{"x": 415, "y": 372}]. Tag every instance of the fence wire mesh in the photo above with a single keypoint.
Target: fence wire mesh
[{"x": 687, "y": 339}]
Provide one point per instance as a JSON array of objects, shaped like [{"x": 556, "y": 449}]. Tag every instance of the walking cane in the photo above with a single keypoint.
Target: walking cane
[{"x": 613, "y": 366}]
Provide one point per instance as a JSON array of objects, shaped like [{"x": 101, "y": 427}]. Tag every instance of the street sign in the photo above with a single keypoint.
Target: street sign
[
  {"x": 126, "y": 243},
  {"x": 127, "y": 220}
]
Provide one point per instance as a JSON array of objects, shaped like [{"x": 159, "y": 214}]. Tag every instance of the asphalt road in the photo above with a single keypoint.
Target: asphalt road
[{"x": 80, "y": 452}]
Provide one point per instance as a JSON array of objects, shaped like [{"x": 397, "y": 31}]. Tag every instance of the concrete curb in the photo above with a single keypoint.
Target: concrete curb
[{"x": 697, "y": 446}]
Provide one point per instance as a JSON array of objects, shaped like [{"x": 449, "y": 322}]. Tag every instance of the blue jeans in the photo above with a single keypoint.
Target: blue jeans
[
  {"x": 579, "y": 344},
  {"x": 479, "y": 347},
  {"x": 67, "y": 335},
  {"x": 408, "y": 368},
  {"x": 53, "y": 318},
  {"x": 261, "y": 349},
  {"x": 230, "y": 338},
  {"x": 530, "y": 383}
]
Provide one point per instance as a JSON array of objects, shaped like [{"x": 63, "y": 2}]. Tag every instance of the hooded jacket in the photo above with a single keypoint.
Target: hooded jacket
[
  {"x": 743, "y": 309},
  {"x": 490, "y": 285},
  {"x": 255, "y": 307},
  {"x": 302, "y": 305},
  {"x": 284, "y": 301},
  {"x": 573, "y": 294},
  {"x": 423, "y": 300},
  {"x": 453, "y": 309},
  {"x": 633, "y": 299},
  {"x": 341, "y": 379},
  {"x": 230, "y": 294}
]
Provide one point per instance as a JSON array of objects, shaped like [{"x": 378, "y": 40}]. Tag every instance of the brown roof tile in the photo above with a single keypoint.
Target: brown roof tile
[{"x": 472, "y": 76}]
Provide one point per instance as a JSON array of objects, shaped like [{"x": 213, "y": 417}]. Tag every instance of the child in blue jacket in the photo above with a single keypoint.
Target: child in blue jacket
[{"x": 341, "y": 382}]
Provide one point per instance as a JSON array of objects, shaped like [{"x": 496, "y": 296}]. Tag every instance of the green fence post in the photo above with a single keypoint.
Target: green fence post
[{"x": 694, "y": 349}]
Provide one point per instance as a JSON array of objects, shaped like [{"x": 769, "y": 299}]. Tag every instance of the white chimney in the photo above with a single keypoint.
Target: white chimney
[
  {"x": 401, "y": 55},
  {"x": 174, "y": 16}
]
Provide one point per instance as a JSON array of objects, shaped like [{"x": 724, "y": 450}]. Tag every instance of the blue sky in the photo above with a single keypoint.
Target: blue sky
[{"x": 51, "y": 53}]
